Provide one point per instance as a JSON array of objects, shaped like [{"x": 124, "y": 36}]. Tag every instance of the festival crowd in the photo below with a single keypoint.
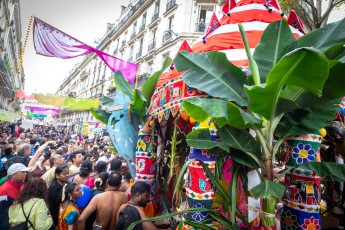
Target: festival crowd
[{"x": 46, "y": 173}]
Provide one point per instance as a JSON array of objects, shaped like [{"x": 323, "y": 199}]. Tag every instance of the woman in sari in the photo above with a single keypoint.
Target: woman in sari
[{"x": 69, "y": 211}]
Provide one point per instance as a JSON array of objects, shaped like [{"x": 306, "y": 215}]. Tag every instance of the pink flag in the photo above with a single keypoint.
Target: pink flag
[
  {"x": 229, "y": 5},
  {"x": 51, "y": 42},
  {"x": 295, "y": 22}
]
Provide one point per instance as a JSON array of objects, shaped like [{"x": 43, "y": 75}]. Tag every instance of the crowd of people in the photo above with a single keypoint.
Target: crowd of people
[{"x": 43, "y": 171}]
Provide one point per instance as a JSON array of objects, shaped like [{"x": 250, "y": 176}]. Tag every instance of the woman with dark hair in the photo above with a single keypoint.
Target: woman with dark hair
[
  {"x": 100, "y": 184},
  {"x": 69, "y": 211},
  {"x": 100, "y": 167},
  {"x": 84, "y": 175},
  {"x": 55, "y": 191},
  {"x": 31, "y": 203},
  {"x": 127, "y": 216}
]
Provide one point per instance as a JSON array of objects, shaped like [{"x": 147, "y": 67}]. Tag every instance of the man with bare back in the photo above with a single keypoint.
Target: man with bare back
[{"x": 105, "y": 204}]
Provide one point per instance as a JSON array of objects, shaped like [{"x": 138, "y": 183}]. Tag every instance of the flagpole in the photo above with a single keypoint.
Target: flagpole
[{"x": 24, "y": 45}]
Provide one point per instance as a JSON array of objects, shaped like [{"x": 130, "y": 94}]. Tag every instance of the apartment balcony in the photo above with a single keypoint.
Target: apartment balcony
[
  {"x": 133, "y": 35},
  {"x": 84, "y": 74},
  {"x": 139, "y": 54},
  {"x": 130, "y": 59},
  {"x": 171, "y": 5},
  {"x": 151, "y": 46},
  {"x": 166, "y": 37},
  {"x": 154, "y": 20},
  {"x": 6, "y": 88},
  {"x": 142, "y": 27},
  {"x": 116, "y": 50}
]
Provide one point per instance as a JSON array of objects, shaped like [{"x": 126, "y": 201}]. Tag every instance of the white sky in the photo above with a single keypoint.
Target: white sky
[{"x": 83, "y": 19}]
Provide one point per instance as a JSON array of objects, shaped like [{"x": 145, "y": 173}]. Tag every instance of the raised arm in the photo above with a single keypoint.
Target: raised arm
[{"x": 37, "y": 154}]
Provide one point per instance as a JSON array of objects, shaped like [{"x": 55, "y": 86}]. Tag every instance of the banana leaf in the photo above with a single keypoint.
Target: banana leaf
[
  {"x": 122, "y": 84},
  {"x": 272, "y": 46},
  {"x": 150, "y": 84},
  {"x": 323, "y": 38},
  {"x": 297, "y": 68},
  {"x": 267, "y": 188},
  {"x": 202, "y": 108},
  {"x": 200, "y": 139},
  {"x": 212, "y": 73},
  {"x": 100, "y": 114},
  {"x": 315, "y": 112},
  {"x": 106, "y": 100},
  {"x": 139, "y": 104},
  {"x": 326, "y": 169},
  {"x": 243, "y": 141}
]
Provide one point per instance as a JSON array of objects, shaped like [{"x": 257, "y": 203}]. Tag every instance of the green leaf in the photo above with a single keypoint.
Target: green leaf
[
  {"x": 138, "y": 106},
  {"x": 272, "y": 46},
  {"x": 150, "y": 84},
  {"x": 289, "y": 71},
  {"x": 324, "y": 38},
  {"x": 212, "y": 73},
  {"x": 167, "y": 216},
  {"x": 243, "y": 158},
  {"x": 198, "y": 225},
  {"x": 336, "y": 52},
  {"x": 314, "y": 112},
  {"x": 267, "y": 188},
  {"x": 106, "y": 100},
  {"x": 202, "y": 108},
  {"x": 201, "y": 139},
  {"x": 241, "y": 140},
  {"x": 324, "y": 169},
  {"x": 100, "y": 114},
  {"x": 122, "y": 84},
  {"x": 238, "y": 118},
  {"x": 181, "y": 174},
  {"x": 219, "y": 188}
]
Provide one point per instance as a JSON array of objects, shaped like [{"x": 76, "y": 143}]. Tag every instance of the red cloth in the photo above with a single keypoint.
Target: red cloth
[{"x": 11, "y": 189}]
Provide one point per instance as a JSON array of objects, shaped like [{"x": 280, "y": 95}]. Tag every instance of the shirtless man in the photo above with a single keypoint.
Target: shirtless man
[
  {"x": 127, "y": 215},
  {"x": 105, "y": 204}
]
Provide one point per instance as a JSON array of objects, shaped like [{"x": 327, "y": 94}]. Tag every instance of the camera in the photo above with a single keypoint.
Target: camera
[
  {"x": 51, "y": 146},
  {"x": 47, "y": 153}
]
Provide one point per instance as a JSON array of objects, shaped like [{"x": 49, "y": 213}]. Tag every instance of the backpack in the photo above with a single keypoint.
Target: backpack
[{"x": 24, "y": 225}]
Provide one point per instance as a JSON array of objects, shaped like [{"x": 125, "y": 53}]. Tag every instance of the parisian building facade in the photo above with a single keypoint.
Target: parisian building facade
[
  {"x": 146, "y": 33},
  {"x": 10, "y": 49}
]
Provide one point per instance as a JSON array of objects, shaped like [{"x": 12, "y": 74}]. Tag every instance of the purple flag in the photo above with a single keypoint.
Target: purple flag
[{"x": 51, "y": 42}]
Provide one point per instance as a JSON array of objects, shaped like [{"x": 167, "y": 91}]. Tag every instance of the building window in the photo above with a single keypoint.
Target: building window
[
  {"x": 170, "y": 23},
  {"x": 204, "y": 14}
]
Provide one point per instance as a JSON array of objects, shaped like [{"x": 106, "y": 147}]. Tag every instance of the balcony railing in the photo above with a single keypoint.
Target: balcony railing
[
  {"x": 138, "y": 55},
  {"x": 123, "y": 43},
  {"x": 167, "y": 35},
  {"x": 133, "y": 35},
  {"x": 152, "y": 45},
  {"x": 155, "y": 16},
  {"x": 142, "y": 27},
  {"x": 170, "y": 4}
]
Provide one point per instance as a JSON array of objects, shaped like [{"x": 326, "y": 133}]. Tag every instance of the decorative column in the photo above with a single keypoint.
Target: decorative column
[{"x": 302, "y": 187}]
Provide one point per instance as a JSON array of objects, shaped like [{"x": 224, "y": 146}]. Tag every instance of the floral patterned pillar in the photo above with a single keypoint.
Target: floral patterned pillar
[
  {"x": 302, "y": 187},
  {"x": 146, "y": 166},
  {"x": 199, "y": 188}
]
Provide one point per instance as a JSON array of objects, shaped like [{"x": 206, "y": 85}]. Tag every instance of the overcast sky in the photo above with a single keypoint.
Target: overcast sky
[{"x": 83, "y": 19}]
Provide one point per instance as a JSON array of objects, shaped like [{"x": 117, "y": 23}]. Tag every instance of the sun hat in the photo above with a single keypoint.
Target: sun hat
[{"x": 17, "y": 167}]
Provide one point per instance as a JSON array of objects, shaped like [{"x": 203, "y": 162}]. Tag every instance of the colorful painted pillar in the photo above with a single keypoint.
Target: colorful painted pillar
[
  {"x": 302, "y": 187},
  {"x": 199, "y": 188},
  {"x": 145, "y": 157}
]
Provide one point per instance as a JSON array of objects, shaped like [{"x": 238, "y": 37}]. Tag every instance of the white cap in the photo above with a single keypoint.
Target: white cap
[{"x": 17, "y": 167}]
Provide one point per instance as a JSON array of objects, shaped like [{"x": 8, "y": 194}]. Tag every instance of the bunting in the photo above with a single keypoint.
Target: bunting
[
  {"x": 295, "y": 22},
  {"x": 184, "y": 46},
  {"x": 9, "y": 116},
  {"x": 229, "y": 5},
  {"x": 67, "y": 102},
  {"x": 272, "y": 3},
  {"x": 212, "y": 26},
  {"x": 51, "y": 42}
]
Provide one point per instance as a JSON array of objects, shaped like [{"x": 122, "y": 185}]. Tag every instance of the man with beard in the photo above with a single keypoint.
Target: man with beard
[
  {"x": 106, "y": 213},
  {"x": 134, "y": 209}
]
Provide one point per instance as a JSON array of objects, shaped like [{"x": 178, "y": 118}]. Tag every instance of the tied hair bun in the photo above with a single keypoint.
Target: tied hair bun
[{"x": 98, "y": 182}]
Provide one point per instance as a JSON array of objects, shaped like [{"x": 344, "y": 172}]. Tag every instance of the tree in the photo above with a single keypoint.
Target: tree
[{"x": 313, "y": 13}]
